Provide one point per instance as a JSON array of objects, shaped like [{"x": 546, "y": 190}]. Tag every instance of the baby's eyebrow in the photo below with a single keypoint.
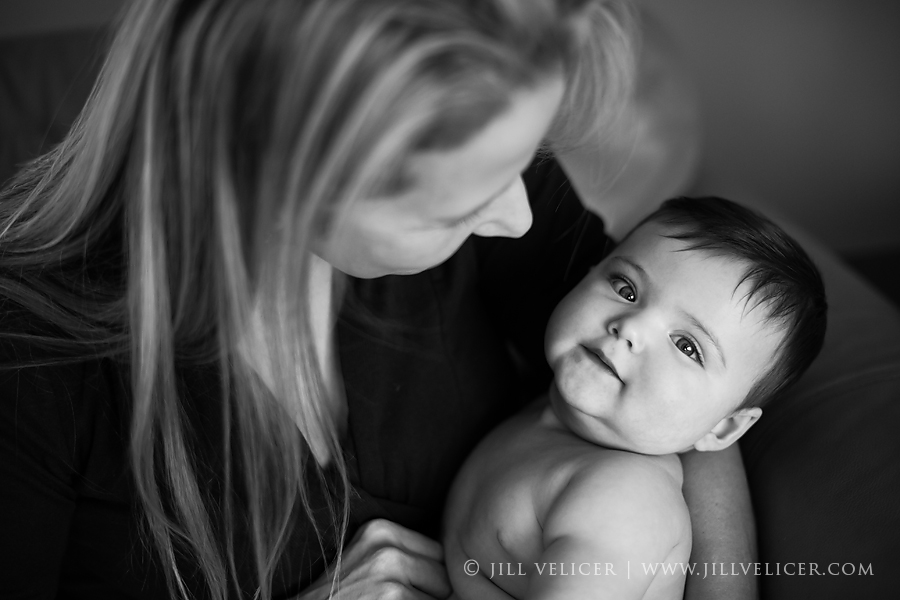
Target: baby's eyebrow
[
  {"x": 708, "y": 334},
  {"x": 640, "y": 270}
]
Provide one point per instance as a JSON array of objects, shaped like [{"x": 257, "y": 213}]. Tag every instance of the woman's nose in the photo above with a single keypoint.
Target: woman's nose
[{"x": 509, "y": 215}]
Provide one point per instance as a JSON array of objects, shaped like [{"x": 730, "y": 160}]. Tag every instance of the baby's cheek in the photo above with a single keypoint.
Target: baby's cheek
[
  {"x": 573, "y": 321},
  {"x": 554, "y": 337}
]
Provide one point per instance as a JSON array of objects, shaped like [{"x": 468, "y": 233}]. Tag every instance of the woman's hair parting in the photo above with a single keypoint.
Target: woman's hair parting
[
  {"x": 783, "y": 281},
  {"x": 221, "y": 140}
]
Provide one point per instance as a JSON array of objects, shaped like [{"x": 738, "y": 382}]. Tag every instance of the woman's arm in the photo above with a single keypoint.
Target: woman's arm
[{"x": 718, "y": 498}]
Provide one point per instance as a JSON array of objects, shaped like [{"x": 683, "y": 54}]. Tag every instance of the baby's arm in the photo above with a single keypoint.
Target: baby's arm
[
  {"x": 613, "y": 518},
  {"x": 468, "y": 584}
]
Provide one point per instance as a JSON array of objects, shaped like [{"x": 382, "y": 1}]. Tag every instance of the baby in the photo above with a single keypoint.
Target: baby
[{"x": 672, "y": 343}]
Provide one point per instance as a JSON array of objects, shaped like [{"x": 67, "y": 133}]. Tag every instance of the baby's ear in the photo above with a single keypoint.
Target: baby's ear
[{"x": 728, "y": 430}]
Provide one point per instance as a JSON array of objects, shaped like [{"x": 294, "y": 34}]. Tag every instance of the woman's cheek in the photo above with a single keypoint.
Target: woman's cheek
[{"x": 448, "y": 243}]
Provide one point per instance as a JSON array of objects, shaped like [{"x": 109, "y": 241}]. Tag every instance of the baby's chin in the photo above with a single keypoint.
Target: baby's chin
[
  {"x": 627, "y": 445},
  {"x": 606, "y": 433},
  {"x": 600, "y": 433}
]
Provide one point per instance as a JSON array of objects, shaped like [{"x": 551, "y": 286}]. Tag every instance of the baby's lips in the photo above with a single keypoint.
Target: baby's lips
[{"x": 604, "y": 359}]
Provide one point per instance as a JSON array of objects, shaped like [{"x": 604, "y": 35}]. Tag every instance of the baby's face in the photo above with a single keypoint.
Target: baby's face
[{"x": 655, "y": 346}]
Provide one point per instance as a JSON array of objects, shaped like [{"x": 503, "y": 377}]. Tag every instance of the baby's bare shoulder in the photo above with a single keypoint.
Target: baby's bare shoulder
[
  {"x": 621, "y": 494},
  {"x": 629, "y": 468},
  {"x": 615, "y": 472}
]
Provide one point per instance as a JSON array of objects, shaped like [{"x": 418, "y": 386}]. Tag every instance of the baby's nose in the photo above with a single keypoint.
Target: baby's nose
[{"x": 626, "y": 330}]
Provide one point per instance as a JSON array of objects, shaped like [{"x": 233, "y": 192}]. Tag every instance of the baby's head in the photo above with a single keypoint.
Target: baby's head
[{"x": 705, "y": 312}]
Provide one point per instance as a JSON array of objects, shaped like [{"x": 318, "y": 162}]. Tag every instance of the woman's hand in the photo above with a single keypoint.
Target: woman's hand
[{"x": 386, "y": 560}]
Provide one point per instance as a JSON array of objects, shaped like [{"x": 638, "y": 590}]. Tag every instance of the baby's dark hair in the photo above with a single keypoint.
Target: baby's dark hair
[{"x": 783, "y": 280}]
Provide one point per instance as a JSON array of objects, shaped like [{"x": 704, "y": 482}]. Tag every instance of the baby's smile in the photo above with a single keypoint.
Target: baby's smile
[{"x": 596, "y": 355}]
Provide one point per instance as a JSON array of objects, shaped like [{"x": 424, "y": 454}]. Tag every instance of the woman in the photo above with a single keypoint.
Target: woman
[{"x": 174, "y": 279}]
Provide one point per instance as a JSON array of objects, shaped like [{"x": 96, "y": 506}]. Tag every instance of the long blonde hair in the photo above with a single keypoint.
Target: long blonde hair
[{"x": 221, "y": 138}]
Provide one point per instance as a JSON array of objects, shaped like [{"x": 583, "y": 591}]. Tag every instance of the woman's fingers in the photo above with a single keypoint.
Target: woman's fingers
[
  {"x": 386, "y": 560},
  {"x": 381, "y": 532},
  {"x": 385, "y": 590},
  {"x": 413, "y": 570}
]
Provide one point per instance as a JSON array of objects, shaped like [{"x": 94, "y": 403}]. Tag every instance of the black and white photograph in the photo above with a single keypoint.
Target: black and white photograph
[{"x": 449, "y": 299}]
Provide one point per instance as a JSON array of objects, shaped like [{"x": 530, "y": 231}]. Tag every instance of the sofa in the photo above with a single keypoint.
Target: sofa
[{"x": 822, "y": 463}]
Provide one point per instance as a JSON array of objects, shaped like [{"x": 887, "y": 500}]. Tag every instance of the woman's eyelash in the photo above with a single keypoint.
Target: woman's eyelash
[
  {"x": 471, "y": 219},
  {"x": 467, "y": 220}
]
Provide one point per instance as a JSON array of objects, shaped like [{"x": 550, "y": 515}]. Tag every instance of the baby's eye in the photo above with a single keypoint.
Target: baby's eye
[
  {"x": 688, "y": 347},
  {"x": 623, "y": 288}
]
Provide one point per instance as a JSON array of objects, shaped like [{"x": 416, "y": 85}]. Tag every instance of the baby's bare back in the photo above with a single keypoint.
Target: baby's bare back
[{"x": 502, "y": 497}]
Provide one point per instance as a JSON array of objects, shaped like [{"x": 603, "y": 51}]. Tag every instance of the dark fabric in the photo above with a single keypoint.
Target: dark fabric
[{"x": 427, "y": 373}]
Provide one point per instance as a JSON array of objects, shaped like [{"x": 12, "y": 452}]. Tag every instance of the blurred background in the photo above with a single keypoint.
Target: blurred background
[
  {"x": 800, "y": 113},
  {"x": 799, "y": 101}
]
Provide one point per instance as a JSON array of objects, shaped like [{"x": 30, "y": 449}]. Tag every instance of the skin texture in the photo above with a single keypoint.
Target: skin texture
[
  {"x": 533, "y": 495},
  {"x": 475, "y": 189},
  {"x": 587, "y": 476}
]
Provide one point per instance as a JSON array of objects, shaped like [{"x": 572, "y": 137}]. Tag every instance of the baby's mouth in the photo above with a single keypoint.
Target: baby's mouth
[{"x": 603, "y": 361}]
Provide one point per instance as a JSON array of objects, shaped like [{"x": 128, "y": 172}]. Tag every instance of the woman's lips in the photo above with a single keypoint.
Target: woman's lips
[{"x": 597, "y": 356}]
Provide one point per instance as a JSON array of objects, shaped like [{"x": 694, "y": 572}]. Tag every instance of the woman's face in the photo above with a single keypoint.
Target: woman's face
[{"x": 475, "y": 189}]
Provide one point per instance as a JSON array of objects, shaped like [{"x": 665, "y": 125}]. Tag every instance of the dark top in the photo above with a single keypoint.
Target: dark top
[{"x": 427, "y": 368}]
